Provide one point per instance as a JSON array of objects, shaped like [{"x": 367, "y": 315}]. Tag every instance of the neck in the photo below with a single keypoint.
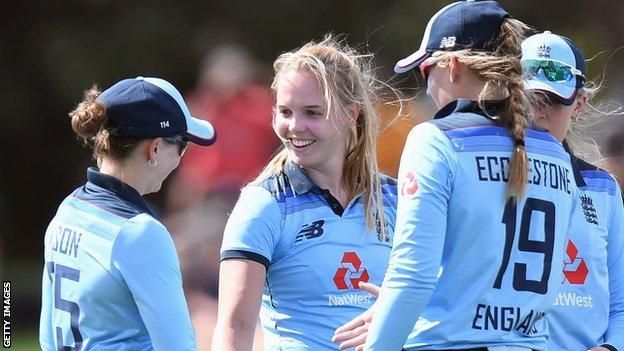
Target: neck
[
  {"x": 331, "y": 179},
  {"x": 470, "y": 86},
  {"x": 124, "y": 172}
]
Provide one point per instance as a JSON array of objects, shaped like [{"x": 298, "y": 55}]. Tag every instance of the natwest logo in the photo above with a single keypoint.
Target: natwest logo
[
  {"x": 409, "y": 185},
  {"x": 575, "y": 270},
  {"x": 351, "y": 273}
]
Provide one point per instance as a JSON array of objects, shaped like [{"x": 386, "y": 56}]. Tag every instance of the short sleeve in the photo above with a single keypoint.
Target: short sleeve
[
  {"x": 145, "y": 256},
  {"x": 253, "y": 229}
]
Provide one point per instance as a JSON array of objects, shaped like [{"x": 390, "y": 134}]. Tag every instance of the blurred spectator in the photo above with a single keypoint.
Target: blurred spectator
[
  {"x": 207, "y": 184},
  {"x": 614, "y": 149},
  {"x": 395, "y": 130},
  {"x": 228, "y": 96}
]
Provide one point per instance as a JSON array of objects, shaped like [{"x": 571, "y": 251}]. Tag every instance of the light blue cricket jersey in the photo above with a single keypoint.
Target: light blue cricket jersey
[
  {"x": 589, "y": 309},
  {"x": 111, "y": 279},
  {"x": 469, "y": 269},
  {"x": 315, "y": 254}
]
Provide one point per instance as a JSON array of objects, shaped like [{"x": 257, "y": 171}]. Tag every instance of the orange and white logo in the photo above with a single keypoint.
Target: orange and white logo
[
  {"x": 409, "y": 185},
  {"x": 575, "y": 269}
]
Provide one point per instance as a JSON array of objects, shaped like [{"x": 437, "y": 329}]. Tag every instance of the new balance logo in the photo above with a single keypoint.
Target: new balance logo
[
  {"x": 587, "y": 203},
  {"x": 447, "y": 42},
  {"x": 310, "y": 231}
]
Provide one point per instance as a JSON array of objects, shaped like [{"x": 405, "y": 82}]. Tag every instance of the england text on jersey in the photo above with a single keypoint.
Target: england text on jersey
[{"x": 506, "y": 318}]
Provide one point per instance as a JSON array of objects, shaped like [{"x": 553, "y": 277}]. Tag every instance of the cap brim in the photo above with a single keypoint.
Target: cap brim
[
  {"x": 200, "y": 132},
  {"x": 412, "y": 61},
  {"x": 564, "y": 92}
]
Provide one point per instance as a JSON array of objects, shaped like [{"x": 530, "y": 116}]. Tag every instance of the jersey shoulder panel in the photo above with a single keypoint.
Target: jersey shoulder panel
[{"x": 461, "y": 120}]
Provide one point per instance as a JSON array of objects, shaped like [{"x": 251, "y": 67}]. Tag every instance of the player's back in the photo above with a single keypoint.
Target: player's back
[
  {"x": 587, "y": 310},
  {"x": 86, "y": 301},
  {"x": 498, "y": 271}
]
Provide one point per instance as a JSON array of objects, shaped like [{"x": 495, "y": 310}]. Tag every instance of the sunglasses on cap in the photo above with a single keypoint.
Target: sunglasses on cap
[
  {"x": 552, "y": 71},
  {"x": 180, "y": 141}
]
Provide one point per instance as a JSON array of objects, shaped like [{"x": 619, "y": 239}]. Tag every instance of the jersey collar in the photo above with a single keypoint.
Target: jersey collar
[
  {"x": 301, "y": 183},
  {"x": 298, "y": 178},
  {"x": 492, "y": 107},
  {"x": 576, "y": 168},
  {"x": 118, "y": 187}
]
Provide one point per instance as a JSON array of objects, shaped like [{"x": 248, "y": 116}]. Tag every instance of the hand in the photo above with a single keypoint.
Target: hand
[
  {"x": 353, "y": 333},
  {"x": 598, "y": 348}
]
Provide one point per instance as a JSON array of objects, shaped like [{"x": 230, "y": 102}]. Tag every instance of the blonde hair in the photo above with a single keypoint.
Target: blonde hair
[
  {"x": 499, "y": 66},
  {"x": 346, "y": 79},
  {"x": 90, "y": 122},
  {"x": 579, "y": 131},
  {"x": 582, "y": 126}
]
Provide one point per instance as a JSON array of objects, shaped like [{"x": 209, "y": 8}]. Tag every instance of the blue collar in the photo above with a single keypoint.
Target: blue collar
[
  {"x": 298, "y": 178},
  {"x": 576, "y": 168},
  {"x": 301, "y": 183},
  {"x": 118, "y": 187},
  {"x": 492, "y": 107}
]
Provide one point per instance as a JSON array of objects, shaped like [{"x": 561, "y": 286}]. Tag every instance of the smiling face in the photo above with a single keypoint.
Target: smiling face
[{"x": 301, "y": 123}]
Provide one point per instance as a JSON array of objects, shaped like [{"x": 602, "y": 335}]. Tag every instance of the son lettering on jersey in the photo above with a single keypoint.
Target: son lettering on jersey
[
  {"x": 66, "y": 241},
  {"x": 571, "y": 299},
  {"x": 547, "y": 174},
  {"x": 506, "y": 318},
  {"x": 350, "y": 299}
]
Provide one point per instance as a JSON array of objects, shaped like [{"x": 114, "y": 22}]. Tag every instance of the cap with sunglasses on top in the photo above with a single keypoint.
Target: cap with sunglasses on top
[
  {"x": 554, "y": 65},
  {"x": 145, "y": 107},
  {"x": 458, "y": 26}
]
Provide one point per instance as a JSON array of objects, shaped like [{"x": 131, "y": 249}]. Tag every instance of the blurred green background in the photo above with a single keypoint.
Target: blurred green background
[{"x": 50, "y": 51}]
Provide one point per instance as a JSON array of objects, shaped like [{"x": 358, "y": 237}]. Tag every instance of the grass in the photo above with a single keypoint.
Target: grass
[{"x": 25, "y": 341}]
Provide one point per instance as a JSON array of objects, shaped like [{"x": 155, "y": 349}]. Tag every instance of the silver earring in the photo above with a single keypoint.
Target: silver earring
[{"x": 152, "y": 163}]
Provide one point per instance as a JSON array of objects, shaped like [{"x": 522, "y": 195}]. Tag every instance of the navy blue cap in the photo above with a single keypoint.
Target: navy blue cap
[
  {"x": 145, "y": 107},
  {"x": 460, "y": 25}
]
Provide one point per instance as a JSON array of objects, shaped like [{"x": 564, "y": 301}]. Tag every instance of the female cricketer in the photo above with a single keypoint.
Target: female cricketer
[
  {"x": 318, "y": 220},
  {"x": 588, "y": 311},
  {"x": 111, "y": 279},
  {"x": 482, "y": 223}
]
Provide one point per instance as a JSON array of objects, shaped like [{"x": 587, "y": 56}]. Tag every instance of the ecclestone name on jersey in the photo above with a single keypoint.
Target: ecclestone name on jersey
[{"x": 547, "y": 174}]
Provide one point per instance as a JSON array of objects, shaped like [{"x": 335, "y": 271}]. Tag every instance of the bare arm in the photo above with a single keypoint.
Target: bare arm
[{"x": 240, "y": 289}]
